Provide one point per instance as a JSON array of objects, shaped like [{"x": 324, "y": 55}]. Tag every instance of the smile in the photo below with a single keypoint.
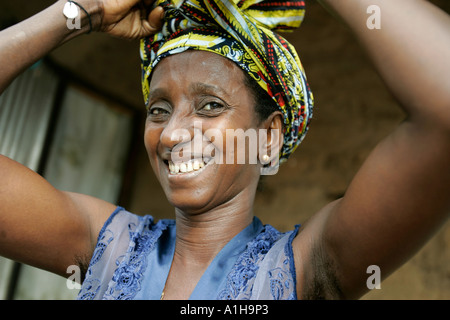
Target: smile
[{"x": 187, "y": 166}]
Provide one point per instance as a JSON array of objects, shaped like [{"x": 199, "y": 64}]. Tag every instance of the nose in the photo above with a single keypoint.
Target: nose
[
  {"x": 176, "y": 131},
  {"x": 178, "y": 136}
]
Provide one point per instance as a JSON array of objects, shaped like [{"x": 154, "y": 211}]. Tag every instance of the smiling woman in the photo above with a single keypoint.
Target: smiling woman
[
  {"x": 211, "y": 68},
  {"x": 198, "y": 76}
]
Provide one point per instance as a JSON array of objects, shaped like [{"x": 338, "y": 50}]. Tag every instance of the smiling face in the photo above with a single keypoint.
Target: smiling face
[{"x": 200, "y": 92}]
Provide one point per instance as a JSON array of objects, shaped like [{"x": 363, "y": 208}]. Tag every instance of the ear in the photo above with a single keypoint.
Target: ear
[{"x": 272, "y": 141}]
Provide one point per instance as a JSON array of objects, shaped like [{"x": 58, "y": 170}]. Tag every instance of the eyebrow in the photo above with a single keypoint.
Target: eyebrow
[
  {"x": 196, "y": 88},
  {"x": 200, "y": 87},
  {"x": 156, "y": 93}
]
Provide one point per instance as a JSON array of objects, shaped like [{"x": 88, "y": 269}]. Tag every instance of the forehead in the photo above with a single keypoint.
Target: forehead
[{"x": 200, "y": 67}]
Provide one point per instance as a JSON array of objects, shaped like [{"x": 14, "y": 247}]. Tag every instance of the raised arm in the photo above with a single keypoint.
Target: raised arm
[
  {"x": 411, "y": 51},
  {"x": 40, "y": 225},
  {"x": 25, "y": 43},
  {"x": 401, "y": 194}
]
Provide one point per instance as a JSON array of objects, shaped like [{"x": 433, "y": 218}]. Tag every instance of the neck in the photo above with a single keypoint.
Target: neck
[{"x": 200, "y": 237}]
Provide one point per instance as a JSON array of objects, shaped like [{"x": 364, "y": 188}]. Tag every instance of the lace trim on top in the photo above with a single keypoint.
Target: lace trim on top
[
  {"x": 262, "y": 257},
  {"x": 127, "y": 278},
  {"x": 129, "y": 268},
  {"x": 264, "y": 270}
]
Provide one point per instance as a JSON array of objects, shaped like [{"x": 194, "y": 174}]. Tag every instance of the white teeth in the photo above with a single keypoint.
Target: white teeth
[
  {"x": 196, "y": 165},
  {"x": 184, "y": 167}
]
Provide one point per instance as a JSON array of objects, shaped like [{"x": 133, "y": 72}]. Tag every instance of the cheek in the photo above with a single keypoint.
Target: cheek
[
  {"x": 151, "y": 140},
  {"x": 233, "y": 140}
]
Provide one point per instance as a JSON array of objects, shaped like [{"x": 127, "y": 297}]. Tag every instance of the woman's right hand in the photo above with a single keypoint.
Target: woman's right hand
[
  {"x": 23, "y": 44},
  {"x": 131, "y": 19}
]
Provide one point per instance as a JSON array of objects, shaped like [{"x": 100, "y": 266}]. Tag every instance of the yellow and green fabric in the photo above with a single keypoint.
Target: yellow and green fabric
[{"x": 245, "y": 32}]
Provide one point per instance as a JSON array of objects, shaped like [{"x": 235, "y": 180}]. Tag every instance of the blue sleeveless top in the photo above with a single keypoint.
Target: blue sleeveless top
[{"x": 133, "y": 257}]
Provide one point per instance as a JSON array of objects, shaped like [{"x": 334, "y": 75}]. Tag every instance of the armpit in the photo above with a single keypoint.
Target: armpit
[{"x": 321, "y": 282}]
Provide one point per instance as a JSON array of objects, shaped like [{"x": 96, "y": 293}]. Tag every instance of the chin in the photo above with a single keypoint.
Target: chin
[
  {"x": 191, "y": 201},
  {"x": 194, "y": 191}
]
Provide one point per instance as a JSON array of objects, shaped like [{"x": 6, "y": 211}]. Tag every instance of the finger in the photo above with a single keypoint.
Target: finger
[
  {"x": 148, "y": 2},
  {"x": 155, "y": 18},
  {"x": 146, "y": 6},
  {"x": 154, "y": 22}
]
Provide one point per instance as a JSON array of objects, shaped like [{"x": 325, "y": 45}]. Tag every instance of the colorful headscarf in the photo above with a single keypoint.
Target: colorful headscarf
[{"x": 242, "y": 31}]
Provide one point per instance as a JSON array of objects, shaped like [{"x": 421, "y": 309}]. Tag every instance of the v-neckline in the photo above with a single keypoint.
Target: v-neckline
[{"x": 215, "y": 275}]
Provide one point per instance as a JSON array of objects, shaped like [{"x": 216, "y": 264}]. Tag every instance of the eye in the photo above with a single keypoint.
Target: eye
[
  {"x": 159, "y": 112},
  {"x": 212, "y": 108},
  {"x": 212, "y": 105}
]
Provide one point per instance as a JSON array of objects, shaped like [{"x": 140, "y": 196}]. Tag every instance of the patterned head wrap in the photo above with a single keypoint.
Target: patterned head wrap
[{"x": 241, "y": 30}]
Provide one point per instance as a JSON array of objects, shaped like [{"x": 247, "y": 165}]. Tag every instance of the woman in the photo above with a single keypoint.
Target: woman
[{"x": 218, "y": 249}]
